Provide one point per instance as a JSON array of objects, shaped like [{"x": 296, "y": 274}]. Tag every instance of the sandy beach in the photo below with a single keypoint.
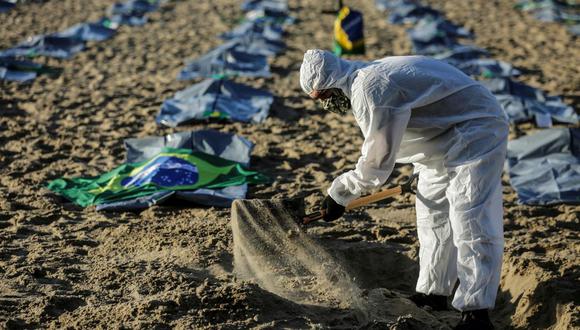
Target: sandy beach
[{"x": 172, "y": 266}]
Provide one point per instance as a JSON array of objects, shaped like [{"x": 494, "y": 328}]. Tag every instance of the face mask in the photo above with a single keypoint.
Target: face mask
[{"x": 337, "y": 102}]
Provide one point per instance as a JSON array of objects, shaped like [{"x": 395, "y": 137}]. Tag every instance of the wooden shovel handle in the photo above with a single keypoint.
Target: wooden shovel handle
[
  {"x": 374, "y": 197},
  {"x": 313, "y": 217},
  {"x": 404, "y": 188}
]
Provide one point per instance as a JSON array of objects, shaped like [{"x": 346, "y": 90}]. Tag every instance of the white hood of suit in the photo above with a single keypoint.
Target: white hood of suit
[{"x": 323, "y": 70}]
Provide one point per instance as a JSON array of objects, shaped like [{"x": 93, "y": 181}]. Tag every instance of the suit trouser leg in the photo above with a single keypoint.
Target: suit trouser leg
[
  {"x": 476, "y": 216},
  {"x": 437, "y": 254}
]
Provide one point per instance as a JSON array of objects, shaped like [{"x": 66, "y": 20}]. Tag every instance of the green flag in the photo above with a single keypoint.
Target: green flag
[{"x": 171, "y": 169}]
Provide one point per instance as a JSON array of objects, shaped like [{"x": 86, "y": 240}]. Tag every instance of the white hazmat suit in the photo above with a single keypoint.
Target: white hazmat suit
[{"x": 414, "y": 109}]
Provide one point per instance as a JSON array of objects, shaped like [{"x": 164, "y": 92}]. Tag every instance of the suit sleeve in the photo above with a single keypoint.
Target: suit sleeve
[{"x": 383, "y": 128}]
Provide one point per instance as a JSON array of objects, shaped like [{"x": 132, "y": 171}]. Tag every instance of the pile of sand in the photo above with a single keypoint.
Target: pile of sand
[{"x": 273, "y": 250}]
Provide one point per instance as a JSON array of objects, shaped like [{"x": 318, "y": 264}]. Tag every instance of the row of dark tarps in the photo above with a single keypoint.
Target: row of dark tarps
[
  {"x": 562, "y": 11},
  {"x": 204, "y": 167},
  {"x": 16, "y": 63},
  {"x": 244, "y": 53},
  {"x": 544, "y": 168}
]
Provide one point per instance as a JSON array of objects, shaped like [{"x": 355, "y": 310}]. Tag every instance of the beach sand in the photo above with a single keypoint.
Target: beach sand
[{"x": 172, "y": 266}]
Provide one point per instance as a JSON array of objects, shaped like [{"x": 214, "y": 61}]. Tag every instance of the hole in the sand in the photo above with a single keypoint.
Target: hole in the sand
[{"x": 376, "y": 265}]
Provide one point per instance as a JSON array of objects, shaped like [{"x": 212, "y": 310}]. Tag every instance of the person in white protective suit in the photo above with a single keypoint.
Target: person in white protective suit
[{"x": 414, "y": 109}]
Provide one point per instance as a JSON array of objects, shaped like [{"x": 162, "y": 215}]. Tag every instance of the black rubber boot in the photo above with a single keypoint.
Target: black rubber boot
[
  {"x": 474, "y": 320},
  {"x": 436, "y": 302}
]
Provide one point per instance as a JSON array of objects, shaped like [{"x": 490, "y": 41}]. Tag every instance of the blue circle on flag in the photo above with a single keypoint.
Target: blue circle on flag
[{"x": 164, "y": 171}]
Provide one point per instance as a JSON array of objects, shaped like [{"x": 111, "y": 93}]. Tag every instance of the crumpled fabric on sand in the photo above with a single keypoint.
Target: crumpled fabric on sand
[
  {"x": 435, "y": 35},
  {"x": 544, "y": 167},
  {"x": 455, "y": 135},
  {"x": 97, "y": 31},
  {"x": 411, "y": 13},
  {"x": 224, "y": 145},
  {"x": 13, "y": 69},
  {"x": 264, "y": 14},
  {"x": 273, "y": 5},
  {"x": 428, "y": 29},
  {"x": 169, "y": 170},
  {"x": 226, "y": 61},
  {"x": 488, "y": 68},
  {"x": 218, "y": 100},
  {"x": 438, "y": 45},
  {"x": 555, "y": 15},
  {"x": 267, "y": 29},
  {"x": 6, "y": 5},
  {"x": 512, "y": 87},
  {"x": 384, "y": 5},
  {"x": 550, "y": 11},
  {"x": 523, "y": 103},
  {"x": 51, "y": 45},
  {"x": 257, "y": 44},
  {"x": 132, "y": 12},
  {"x": 461, "y": 53},
  {"x": 62, "y": 44},
  {"x": 16, "y": 75},
  {"x": 521, "y": 109}
]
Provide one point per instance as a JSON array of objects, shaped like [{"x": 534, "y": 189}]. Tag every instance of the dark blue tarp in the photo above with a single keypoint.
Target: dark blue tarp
[
  {"x": 96, "y": 31},
  {"x": 48, "y": 45},
  {"x": 264, "y": 14},
  {"x": 554, "y": 11},
  {"x": 411, "y": 13},
  {"x": 16, "y": 75},
  {"x": 434, "y": 35},
  {"x": 273, "y": 5},
  {"x": 225, "y": 60},
  {"x": 13, "y": 69},
  {"x": 6, "y": 5},
  {"x": 461, "y": 54},
  {"x": 521, "y": 109},
  {"x": 523, "y": 103},
  {"x": 62, "y": 44},
  {"x": 256, "y": 44},
  {"x": 428, "y": 29},
  {"x": 384, "y": 5},
  {"x": 132, "y": 12},
  {"x": 134, "y": 7},
  {"x": 551, "y": 11},
  {"x": 224, "y": 145},
  {"x": 556, "y": 15},
  {"x": 266, "y": 29},
  {"x": 216, "y": 99},
  {"x": 511, "y": 87},
  {"x": 544, "y": 167},
  {"x": 435, "y": 46},
  {"x": 488, "y": 68}
]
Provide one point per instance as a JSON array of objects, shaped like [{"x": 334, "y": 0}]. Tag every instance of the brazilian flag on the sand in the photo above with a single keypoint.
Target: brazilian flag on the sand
[
  {"x": 348, "y": 32},
  {"x": 171, "y": 169}
]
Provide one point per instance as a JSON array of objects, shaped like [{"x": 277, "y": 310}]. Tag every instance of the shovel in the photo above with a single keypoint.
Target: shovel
[
  {"x": 260, "y": 214},
  {"x": 379, "y": 196}
]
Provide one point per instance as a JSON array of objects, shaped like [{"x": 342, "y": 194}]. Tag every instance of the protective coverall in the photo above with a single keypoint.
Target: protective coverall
[{"x": 414, "y": 109}]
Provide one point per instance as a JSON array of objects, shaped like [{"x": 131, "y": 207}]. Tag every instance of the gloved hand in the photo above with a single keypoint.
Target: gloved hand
[{"x": 332, "y": 209}]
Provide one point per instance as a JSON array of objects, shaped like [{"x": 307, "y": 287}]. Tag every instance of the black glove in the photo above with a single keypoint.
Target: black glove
[{"x": 332, "y": 210}]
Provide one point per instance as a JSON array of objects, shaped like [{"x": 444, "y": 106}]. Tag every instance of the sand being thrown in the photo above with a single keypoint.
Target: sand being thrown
[{"x": 270, "y": 249}]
